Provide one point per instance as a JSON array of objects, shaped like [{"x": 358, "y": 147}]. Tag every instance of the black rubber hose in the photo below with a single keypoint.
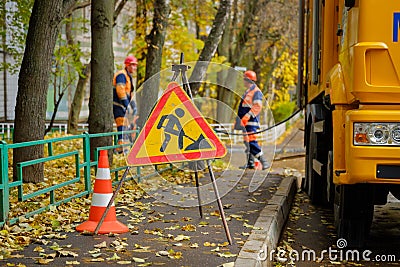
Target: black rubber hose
[{"x": 263, "y": 130}]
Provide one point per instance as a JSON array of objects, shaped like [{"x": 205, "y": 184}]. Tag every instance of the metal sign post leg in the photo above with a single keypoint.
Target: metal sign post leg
[
  {"x": 111, "y": 201},
  {"x": 196, "y": 175},
  {"x": 221, "y": 208},
  {"x": 181, "y": 69}
]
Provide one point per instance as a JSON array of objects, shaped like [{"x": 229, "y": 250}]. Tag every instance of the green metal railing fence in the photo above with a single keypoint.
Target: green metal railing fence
[{"x": 13, "y": 187}]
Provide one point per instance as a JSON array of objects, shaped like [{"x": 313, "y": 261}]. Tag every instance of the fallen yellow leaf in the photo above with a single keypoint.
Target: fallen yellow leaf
[{"x": 226, "y": 255}]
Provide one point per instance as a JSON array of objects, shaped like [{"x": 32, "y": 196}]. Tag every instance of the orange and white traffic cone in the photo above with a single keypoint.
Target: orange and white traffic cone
[{"x": 102, "y": 193}]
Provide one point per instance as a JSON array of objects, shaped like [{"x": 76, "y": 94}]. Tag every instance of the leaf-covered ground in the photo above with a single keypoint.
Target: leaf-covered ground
[{"x": 160, "y": 234}]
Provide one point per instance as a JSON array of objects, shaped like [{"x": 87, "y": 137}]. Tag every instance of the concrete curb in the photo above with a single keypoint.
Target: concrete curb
[{"x": 267, "y": 229}]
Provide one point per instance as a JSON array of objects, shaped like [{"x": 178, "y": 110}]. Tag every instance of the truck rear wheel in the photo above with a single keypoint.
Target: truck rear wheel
[{"x": 353, "y": 212}]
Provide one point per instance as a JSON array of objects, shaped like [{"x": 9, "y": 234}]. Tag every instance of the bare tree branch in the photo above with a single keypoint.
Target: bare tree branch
[
  {"x": 78, "y": 6},
  {"x": 210, "y": 45},
  {"x": 67, "y": 6},
  {"x": 119, "y": 8}
]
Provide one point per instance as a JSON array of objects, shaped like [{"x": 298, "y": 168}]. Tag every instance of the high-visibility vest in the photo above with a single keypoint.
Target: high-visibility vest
[
  {"x": 251, "y": 104},
  {"x": 122, "y": 91}
]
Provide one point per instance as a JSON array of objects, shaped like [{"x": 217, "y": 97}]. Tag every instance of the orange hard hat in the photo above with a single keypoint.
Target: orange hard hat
[
  {"x": 130, "y": 60},
  {"x": 251, "y": 75}
]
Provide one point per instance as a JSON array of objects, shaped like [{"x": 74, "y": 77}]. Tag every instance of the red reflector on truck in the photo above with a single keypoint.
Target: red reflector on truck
[{"x": 361, "y": 138}]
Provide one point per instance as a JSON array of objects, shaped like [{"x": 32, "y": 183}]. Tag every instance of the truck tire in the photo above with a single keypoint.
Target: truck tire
[
  {"x": 314, "y": 184},
  {"x": 353, "y": 213}
]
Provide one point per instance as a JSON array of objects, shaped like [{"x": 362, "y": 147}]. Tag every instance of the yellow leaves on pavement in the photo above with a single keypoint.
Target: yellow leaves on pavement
[
  {"x": 215, "y": 213},
  {"x": 119, "y": 245},
  {"x": 138, "y": 260},
  {"x": 189, "y": 228},
  {"x": 154, "y": 232},
  {"x": 97, "y": 260},
  {"x": 227, "y": 255},
  {"x": 181, "y": 237},
  {"x": 72, "y": 263},
  {"x": 194, "y": 245},
  {"x": 65, "y": 253},
  {"x": 139, "y": 248},
  {"x": 225, "y": 244},
  {"x": 38, "y": 249},
  {"x": 208, "y": 244},
  {"x": 170, "y": 253},
  {"x": 44, "y": 261},
  {"x": 251, "y": 226},
  {"x": 174, "y": 227},
  {"x": 228, "y": 206},
  {"x": 101, "y": 245},
  {"x": 114, "y": 257},
  {"x": 203, "y": 223}
]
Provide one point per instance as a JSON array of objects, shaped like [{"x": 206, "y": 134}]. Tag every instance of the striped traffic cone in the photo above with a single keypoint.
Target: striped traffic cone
[{"x": 102, "y": 193}]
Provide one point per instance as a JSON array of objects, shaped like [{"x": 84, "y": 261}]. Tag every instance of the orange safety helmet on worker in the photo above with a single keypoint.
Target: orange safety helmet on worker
[
  {"x": 122, "y": 95},
  {"x": 251, "y": 75},
  {"x": 249, "y": 114},
  {"x": 130, "y": 60}
]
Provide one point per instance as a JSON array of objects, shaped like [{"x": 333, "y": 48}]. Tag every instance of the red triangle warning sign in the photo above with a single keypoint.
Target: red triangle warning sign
[{"x": 175, "y": 132}]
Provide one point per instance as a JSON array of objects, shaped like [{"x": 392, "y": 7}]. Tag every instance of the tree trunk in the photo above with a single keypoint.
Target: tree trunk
[
  {"x": 225, "y": 95},
  {"x": 155, "y": 41},
  {"x": 230, "y": 88},
  {"x": 33, "y": 82},
  {"x": 76, "y": 105},
  {"x": 140, "y": 34},
  {"x": 79, "y": 95},
  {"x": 244, "y": 33},
  {"x": 232, "y": 27},
  {"x": 102, "y": 60},
  {"x": 210, "y": 45}
]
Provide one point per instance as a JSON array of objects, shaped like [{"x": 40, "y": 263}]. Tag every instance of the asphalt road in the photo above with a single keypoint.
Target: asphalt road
[{"x": 310, "y": 230}]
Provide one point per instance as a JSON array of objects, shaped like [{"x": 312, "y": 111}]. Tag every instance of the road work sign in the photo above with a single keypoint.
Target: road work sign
[{"x": 175, "y": 132}]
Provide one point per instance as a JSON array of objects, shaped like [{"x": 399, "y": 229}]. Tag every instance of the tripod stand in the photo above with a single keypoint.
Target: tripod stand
[{"x": 181, "y": 69}]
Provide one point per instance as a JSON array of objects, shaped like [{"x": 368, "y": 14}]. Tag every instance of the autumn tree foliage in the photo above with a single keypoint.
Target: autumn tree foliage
[{"x": 255, "y": 34}]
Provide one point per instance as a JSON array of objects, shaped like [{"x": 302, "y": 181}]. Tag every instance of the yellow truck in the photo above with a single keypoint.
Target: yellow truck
[{"x": 349, "y": 87}]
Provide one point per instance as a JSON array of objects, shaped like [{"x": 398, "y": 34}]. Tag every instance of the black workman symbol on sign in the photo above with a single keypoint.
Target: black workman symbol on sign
[{"x": 174, "y": 127}]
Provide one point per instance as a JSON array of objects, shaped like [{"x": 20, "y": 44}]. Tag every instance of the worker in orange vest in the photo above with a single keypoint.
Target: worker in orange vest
[
  {"x": 123, "y": 102},
  {"x": 248, "y": 117}
]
